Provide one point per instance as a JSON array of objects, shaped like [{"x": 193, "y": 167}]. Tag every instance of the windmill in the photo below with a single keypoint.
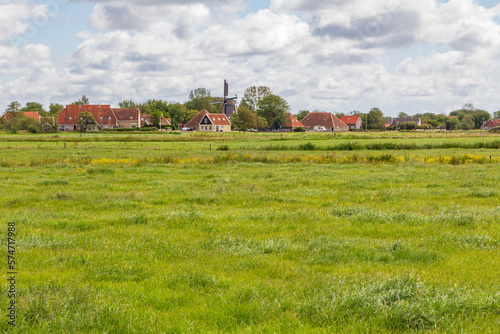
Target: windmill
[{"x": 228, "y": 104}]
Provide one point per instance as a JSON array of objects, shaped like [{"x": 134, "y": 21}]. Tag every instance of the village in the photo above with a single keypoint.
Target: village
[{"x": 104, "y": 117}]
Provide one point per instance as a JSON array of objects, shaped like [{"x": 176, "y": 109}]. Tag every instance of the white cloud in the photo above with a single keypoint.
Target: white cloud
[{"x": 331, "y": 55}]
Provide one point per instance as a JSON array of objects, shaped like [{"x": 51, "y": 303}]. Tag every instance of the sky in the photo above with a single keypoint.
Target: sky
[{"x": 329, "y": 55}]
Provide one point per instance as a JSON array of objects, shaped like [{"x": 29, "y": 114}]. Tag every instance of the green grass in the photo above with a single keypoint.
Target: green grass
[{"x": 163, "y": 246}]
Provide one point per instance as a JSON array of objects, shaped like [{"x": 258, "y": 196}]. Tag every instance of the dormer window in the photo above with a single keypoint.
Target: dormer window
[{"x": 70, "y": 118}]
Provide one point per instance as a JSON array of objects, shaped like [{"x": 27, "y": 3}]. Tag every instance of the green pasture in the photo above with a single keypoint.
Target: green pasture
[{"x": 115, "y": 238}]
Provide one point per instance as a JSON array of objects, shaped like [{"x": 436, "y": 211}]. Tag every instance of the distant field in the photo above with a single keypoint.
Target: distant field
[{"x": 167, "y": 233}]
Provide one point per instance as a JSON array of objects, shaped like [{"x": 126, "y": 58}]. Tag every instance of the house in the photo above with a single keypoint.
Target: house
[
  {"x": 30, "y": 114},
  {"x": 292, "y": 123},
  {"x": 127, "y": 117},
  {"x": 315, "y": 121},
  {"x": 214, "y": 123},
  {"x": 194, "y": 123},
  {"x": 146, "y": 120},
  {"x": 492, "y": 123},
  {"x": 417, "y": 120},
  {"x": 354, "y": 122},
  {"x": 105, "y": 116},
  {"x": 33, "y": 115}
]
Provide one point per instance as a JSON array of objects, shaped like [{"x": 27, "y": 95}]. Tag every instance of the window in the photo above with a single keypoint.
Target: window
[
  {"x": 70, "y": 118},
  {"x": 109, "y": 117},
  {"x": 130, "y": 117},
  {"x": 210, "y": 127},
  {"x": 101, "y": 117}
]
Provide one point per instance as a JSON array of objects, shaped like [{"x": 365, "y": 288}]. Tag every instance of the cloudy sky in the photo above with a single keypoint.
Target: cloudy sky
[{"x": 331, "y": 55}]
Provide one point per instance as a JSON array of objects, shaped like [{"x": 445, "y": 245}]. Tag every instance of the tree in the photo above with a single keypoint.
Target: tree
[
  {"x": 403, "y": 115},
  {"x": 15, "y": 121},
  {"x": 261, "y": 123},
  {"x": 496, "y": 115},
  {"x": 190, "y": 115},
  {"x": 200, "y": 99},
  {"x": 127, "y": 104},
  {"x": 85, "y": 121},
  {"x": 273, "y": 108},
  {"x": 469, "y": 106},
  {"x": 177, "y": 112},
  {"x": 302, "y": 114},
  {"x": 467, "y": 122},
  {"x": 480, "y": 116},
  {"x": 150, "y": 105},
  {"x": 452, "y": 123},
  {"x": 156, "y": 117},
  {"x": 83, "y": 101},
  {"x": 253, "y": 95},
  {"x": 13, "y": 107},
  {"x": 376, "y": 119},
  {"x": 35, "y": 106},
  {"x": 244, "y": 119},
  {"x": 55, "y": 109},
  {"x": 339, "y": 115}
]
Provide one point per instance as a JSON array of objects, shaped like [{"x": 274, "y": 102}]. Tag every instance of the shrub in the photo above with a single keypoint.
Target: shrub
[
  {"x": 33, "y": 129},
  {"x": 299, "y": 129},
  {"x": 143, "y": 129},
  {"x": 307, "y": 147},
  {"x": 223, "y": 148}
]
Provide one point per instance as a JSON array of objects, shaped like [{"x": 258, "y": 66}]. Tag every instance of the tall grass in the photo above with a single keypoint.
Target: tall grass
[{"x": 137, "y": 240}]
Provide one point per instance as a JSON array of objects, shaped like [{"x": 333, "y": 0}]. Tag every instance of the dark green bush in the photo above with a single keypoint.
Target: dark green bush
[
  {"x": 33, "y": 129},
  {"x": 307, "y": 147},
  {"x": 223, "y": 148},
  {"x": 299, "y": 129}
]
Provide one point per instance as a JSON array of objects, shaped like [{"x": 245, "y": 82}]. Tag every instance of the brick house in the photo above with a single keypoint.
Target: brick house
[
  {"x": 105, "y": 116},
  {"x": 292, "y": 123},
  {"x": 354, "y": 122},
  {"x": 194, "y": 123},
  {"x": 492, "y": 123},
  {"x": 315, "y": 121},
  {"x": 146, "y": 120},
  {"x": 214, "y": 123}
]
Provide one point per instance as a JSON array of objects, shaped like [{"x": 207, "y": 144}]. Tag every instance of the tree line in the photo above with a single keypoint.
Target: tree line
[{"x": 259, "y": 108}]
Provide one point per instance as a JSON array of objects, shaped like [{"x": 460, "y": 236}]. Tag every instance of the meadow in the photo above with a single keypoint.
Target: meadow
[{"x": 253, "y": 233}]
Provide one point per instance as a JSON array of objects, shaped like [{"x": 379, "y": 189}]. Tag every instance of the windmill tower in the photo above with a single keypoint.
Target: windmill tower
[{"x": 228, "y": 103}]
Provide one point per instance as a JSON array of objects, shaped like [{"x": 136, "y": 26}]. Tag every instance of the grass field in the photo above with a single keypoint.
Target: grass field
[{"x": 175, "y": 233}]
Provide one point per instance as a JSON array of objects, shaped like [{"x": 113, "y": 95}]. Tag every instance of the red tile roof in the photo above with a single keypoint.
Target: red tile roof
[
  {"x": 195, "y": 121},
  {"x": 102, "y": 114},
  {"x": 292, "y": 122},
  {"x": 218, "y": 119},
  {"x": 350, "y": 120},
  {"x": 492, "y": 123},
  {"x": 328, "y": 120},
  {"x": 126, "y": 114},
  {"x": 146, "y": 119},
  {"x": 32, "y": 114}
]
